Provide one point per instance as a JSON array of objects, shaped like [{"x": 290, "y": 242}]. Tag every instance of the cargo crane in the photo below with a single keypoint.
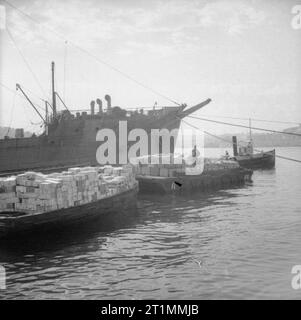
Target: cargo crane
[{"x": 45, "y": 120}]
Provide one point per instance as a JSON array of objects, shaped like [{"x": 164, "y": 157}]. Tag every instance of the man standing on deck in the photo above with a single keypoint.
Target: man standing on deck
[{"x": 195, "y": 154}]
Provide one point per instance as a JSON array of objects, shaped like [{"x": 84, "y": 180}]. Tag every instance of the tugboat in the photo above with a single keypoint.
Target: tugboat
[{"x": 247, "y": 158}]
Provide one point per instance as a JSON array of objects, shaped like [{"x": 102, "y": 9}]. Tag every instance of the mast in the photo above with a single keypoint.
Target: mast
[
  {"x": 250, "y": 126},
  {"x": 251, "y": 141},
  {"x": 53, "y": 91},
  {"x": 46, "y": 118},
  {"x": 182, "y": 134}
]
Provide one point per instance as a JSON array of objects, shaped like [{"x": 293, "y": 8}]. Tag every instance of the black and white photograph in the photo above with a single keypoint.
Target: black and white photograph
[{"x": 150, "y": 150}]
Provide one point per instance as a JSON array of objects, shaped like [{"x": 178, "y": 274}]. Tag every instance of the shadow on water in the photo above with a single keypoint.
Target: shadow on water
[
  {"x": 155, "y": 237},
  {"x": 183, "y": 201},
  {"x": 47, "y": 240},
  {"x": 232, "y": 243}
]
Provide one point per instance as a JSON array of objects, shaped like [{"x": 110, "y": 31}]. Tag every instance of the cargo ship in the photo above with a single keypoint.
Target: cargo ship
[
  {"x": 33, "y": 201},
  {"x": 70, "y": 139}
]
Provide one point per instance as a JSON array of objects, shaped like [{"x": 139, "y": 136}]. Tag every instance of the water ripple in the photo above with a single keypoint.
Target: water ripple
[{"x": 238, "y": 243}]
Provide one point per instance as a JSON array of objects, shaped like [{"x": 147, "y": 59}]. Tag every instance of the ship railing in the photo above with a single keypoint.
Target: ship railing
[{"x": 130, "y": 112}]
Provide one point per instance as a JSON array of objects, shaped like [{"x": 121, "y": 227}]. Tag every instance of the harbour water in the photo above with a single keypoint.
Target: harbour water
[{"x": 237, "y": 243}]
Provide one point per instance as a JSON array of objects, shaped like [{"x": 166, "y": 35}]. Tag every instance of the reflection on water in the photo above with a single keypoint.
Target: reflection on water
[{"x": 238, "y": 243}]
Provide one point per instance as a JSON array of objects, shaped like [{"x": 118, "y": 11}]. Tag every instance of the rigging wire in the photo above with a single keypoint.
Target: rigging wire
[
  {"x": 286, "y": 158},
  {"x": 101, "y": 61},
  {"x": 16, "y": 93},
  {"x": 7, "y": 88},
  {"x": 206, "y": 132},
  {"x": 65, "y": 67},
  {"x": 228, "y": 141},
  {"x": 31, "y": 125},
  {"x": 33, "y": 93},
  {"x": 25, "y": 61},
  {"x": 253, "y": 119},
  {"x": 244, "y": 126},
  {"x": 20, "y": 95}
]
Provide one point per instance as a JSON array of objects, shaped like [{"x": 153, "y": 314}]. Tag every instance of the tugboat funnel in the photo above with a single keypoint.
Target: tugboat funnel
[{"x": 234, "y": 142}]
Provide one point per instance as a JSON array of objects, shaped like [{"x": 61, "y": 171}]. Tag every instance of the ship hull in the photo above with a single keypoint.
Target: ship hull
[
  {"x": 264, "y": 160},
  {"x": 76, "y": 149},
  {"x": 72, "y": 140}
]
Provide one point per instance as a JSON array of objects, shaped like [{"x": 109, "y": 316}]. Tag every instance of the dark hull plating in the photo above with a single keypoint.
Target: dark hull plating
[
  {"x": 265, "y": 160},
  {"x": 202, "y": 183},
  {"x": 77, "y": 148},
  {"x": 72, "y": 140}
]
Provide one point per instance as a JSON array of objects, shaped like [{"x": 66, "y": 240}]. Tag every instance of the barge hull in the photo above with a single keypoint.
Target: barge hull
[
  {"x": 22, "y": 223},
  {"x": 187, "y": 184}
]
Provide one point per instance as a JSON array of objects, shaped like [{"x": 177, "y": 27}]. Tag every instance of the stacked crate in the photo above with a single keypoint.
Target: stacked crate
[
  {"x": 8, "y": 196},
  {"x": 34, "y": 192},
  {"x": 218, "y": 164},
  {"x": 175, "y": 168}
]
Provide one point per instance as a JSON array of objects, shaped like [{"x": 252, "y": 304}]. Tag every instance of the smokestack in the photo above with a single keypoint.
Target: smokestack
[
  {"x": 234, "y": 141},
  {"x": 108, "y": 99},
  {"x": 99, "y": 103},
  {"x": 92, "y": 105}
]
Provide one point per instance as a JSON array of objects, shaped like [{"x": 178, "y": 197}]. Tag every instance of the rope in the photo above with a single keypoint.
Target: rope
[
  {"x": 254, "y": 119},
  {"x": 25, "y": 61},
  {"x": 206, "y": 132},
  {"x": 20, "y": 95},
  {"x": 6, "y": 87},
  {"x": 243, "y": 126},
  {"x": 36, "y": 123},
  {"x": 286, "y": 158},
  {"x": 65, "y": 62},
  {"x": 33, "y": 93},
  {"x": 93, "y": 56}
]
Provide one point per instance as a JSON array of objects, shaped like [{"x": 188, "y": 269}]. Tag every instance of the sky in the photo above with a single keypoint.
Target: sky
[{"x": 244, "y": 55}]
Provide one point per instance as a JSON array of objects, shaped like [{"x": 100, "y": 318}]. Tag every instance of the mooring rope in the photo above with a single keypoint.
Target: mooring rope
[
  {"x": 228, "y": 141},
  {"x": 96, "y": 58}
]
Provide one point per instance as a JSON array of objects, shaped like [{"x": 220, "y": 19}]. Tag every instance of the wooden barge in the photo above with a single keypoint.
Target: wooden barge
[
  {"x": 204, "y": 182},
  {"x": 12, "y": 223}
]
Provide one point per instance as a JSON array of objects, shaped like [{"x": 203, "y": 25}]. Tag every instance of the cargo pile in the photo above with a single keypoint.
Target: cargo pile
[
  {"x": 218, "y": 164},
  {"x": 172, "y": 168},
  {"x": 33, "y": 192},
  {"x": 176, "y": 168},
  {"x": 160, "y": 170}
]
